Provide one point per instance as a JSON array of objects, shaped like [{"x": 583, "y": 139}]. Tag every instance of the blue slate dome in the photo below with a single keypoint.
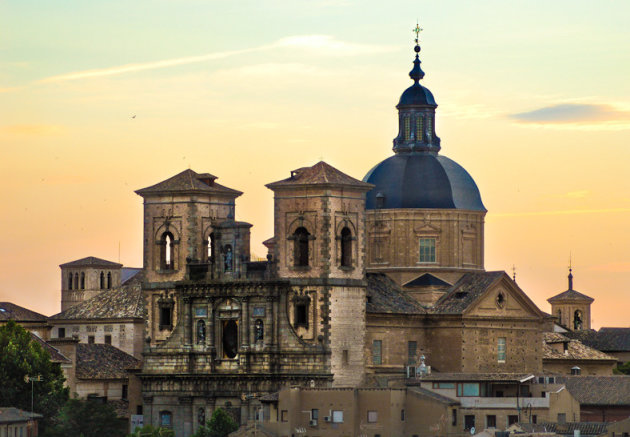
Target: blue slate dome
[
  {"x": 421, "y": 180},
  {"x": 416, "y": 94}
]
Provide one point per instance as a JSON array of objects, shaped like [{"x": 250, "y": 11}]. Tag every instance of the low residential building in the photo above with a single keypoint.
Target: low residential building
[
  {"x": 612, "y": 341},
  {"x": 601, "y": 398},
  {"x": 18, "y": 423},
  {"x": 30, "y": 320},
  {"x": 565, "y": 356}
]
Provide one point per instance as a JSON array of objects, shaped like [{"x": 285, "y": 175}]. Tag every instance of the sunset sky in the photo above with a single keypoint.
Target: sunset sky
[{"x": 534, "y": 101}]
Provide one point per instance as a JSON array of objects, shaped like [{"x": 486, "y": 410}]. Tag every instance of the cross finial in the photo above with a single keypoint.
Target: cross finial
[
  {"x": 417, "y": 31},
  {"x": 513, "y": 273}
]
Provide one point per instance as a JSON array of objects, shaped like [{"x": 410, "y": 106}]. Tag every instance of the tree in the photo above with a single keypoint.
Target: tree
[
  {"x": 21, "y": 356},
  {"x": 622, "y": 369},
  {"x": 220, "y": 425},
  {"x": 151, "y": 431},
  {"x": 88, "y": 418}
]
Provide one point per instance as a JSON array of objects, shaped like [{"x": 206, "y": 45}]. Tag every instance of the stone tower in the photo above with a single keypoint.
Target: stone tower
[
  {"x": 572, "y": 308},
  {"x": 85, "y": 278},
  {"x": 319, "y": 246}
]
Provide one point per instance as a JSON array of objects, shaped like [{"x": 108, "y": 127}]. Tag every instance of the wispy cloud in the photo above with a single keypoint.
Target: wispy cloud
[
  {"x": 321, "y": 44},
  {"x": 559, "y": 212},
  {"x": 586, "y": 115},
  {"x": 579, "y": 194},
  {"x": 32, "y": 129},
  {"x": 615, "y": 267}
]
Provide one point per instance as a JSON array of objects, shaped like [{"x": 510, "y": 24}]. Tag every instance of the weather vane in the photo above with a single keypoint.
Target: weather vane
[{"x": 417, "y": 31}]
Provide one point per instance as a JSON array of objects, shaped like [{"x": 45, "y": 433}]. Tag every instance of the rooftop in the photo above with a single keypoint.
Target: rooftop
[
  {"x": 575, "y": 349},
  {"x": 123, "y": 302},
  {"x": 103, "y": 361},
  {"x": 598, "y": 390},
  {"x": 189, "y": 181},
  {"x": 13, "y": 415},
  {"x": 466, "y": 291},
  {"x": 491, "y": 377},
  {"x": 385, "y": 296},
  {"x": 319, "y": 174},
  {"x": 11, "y": 311},
  {"x": 55, "y": 355},
  {"x": 605, "y": 340},
  {"x": 91, "y": 261}
]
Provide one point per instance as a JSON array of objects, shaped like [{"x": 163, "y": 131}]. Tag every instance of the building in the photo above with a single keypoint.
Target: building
[{"x": 15, "y": 422}]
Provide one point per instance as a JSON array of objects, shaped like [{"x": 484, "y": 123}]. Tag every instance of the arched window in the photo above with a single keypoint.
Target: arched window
[
  {"x": 102, "y": 282},
  {"x": 167, "y": 252},
  {"x": 259, "y": 330},
  {"x": 201, "y": 332},
  {"x": 211, "y": 247},
  {"x": 230, "y": 338},
  {"x": 109, "y": 280},
  {"x": 228, "y": 260},
  {"x": 577, "y": 320},
  {"x": 76, "y": 281},
  {"x": 346, "y": 247},
  {"x": 69, "y": 281},
  {"x": 82, "y": 280},
  {"x": 300, "y": 252},
  {"x": 166, "y": 419}
]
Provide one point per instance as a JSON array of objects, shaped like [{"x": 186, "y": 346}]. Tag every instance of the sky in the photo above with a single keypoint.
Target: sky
[{"x": 534, "y": 101}]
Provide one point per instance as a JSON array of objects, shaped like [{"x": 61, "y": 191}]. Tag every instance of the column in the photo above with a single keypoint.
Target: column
[{"x": 187, "y": 321}]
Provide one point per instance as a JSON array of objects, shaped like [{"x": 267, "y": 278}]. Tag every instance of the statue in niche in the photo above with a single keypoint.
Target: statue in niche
[
  {"x": 201, "y": 416},
  {"x": 228, "y": 258},
  {"x": 201, "y": 332},
  {"x": 577, "y": 320},
  {"x": 259, "y": 330}
]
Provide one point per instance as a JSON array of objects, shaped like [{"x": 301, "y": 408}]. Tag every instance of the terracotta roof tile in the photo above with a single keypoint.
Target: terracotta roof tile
[
  {"x": 320, "y": 174},
  {"x": 598, "y": 390},
  {"x": 605, "y": 340},
  {"x": 55, "y": 355},
  {"x": 385, "y": 296},
  {"x": 103, "y": 361},
  {"x": 124, "y": 302},
  {"x": 11, "y": 311},
  {"x": 465, "y": 292},
  {"x": 575, "y": 349},
  {"x": 570, "y": 295},
  {"x": 189, "y": 181}
]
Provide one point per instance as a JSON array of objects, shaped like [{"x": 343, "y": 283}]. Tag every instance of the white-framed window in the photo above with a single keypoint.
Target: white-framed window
[
  {"x": 427, "y": 250},
  {"x": 501, "y": 349},
  {"x": 337, "y": 416},
  {"x": 372, "y": 416},
  {"x": 377, "y": 358}
]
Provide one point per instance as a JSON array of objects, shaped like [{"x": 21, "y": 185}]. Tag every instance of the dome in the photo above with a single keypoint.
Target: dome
[
  {"x": 416, "y": 94},
  {"x": 422, "y": 180}
]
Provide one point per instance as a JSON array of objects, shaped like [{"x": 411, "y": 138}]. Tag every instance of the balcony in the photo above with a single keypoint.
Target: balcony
[{"x": 485, "y": 402}]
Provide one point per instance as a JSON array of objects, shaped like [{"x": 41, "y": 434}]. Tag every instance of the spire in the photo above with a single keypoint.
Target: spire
[
  {"x": 416, "y": 72},
  {"x": 570, "y": 274}
]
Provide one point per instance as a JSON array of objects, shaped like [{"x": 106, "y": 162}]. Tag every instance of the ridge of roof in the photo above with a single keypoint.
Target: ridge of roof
[
  {"x": 123, "y": 302},
  {"x": 576, "y": 350},
  {"x": 11, "y": 311},
  {"x": 321, "y": 173},
  {"x": 91, "y": 261},
  {"x": 188, "y": 181},
  {"x": 385, "y": 296},
  {"x": 466, "y": 291}
]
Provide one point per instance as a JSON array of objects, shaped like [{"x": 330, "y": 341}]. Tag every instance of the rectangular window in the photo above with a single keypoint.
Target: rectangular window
[
  {"x": 301, "y": 315},
  {"x": 125, "y": 391},
  {"x": 337, "y": 416},
  {"x": 402, "y": 415},
  {"x": 501, "y": 349},
  {"x": 314, "y": 414},
  {"x": 407, "y": 128},
  {"x": 372, "y": 416},
  {"x": 454, "y": 417},
  {"x": 165, "y": 317},
  {"x": 491, "y": 421},
  {"x": 562, "y": 417},
  {"x": 469, "y": 422},
  {"x": 61, "y": 332},
  {"x": 166, "y": 419},
  {"x": 376, "y": 352},
  {"x": 419, "y": 127},
  {"x": 411, "y": 352},
  {"x": 512, "y": 419},
  {"x": 90, "y": 339},
  {"x": 201, "y": 312},
  {"x": 344, "y": 357},
  {"x": 138, "y": 409},
  {"x": 108, "y": 339},
  {"x": 427, "y": 250},
  {"x": 534, "y": 418},
  {"x": 284, "y": 416},
  {"x": 443, "y": 385},
  {"x": 468, "y": 389}
]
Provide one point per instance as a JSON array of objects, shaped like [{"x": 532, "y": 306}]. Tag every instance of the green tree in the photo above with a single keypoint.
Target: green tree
[
  {"x": 21, "y": 356},
  {"x": 622, "y": 369},
  {"x": 151, "y": 431},
  {"x": 87, "y": 418},
  {"x": 219, "y": 425}
]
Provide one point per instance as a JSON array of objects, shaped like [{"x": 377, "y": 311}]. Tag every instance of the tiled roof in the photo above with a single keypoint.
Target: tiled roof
[
  {"x": 13, "y": 415},
  {"x": 91, "y": 261},
  {"x": 127, "y": 273},
  {"x": 423, "y": 392},
  {"x": 320, "y": 174},
  {"x": 55, "y": 355},
  {"x": 466, "y": 291},
  {"x": 385, "y": 296},
  {"x": 11, "y": 311},
  {"x": 605, "y": 340},
  {"x": 568, "y": 428},
  {"x": 598, "y": 390},
  {"x": 570, "y": 295},
  {"x": 502, "y": 377},
  {"x": 270, "y": 397},
  {"x": 189, "y": 181},
  {"x": 575, "y": 349},
  {"x": 120, "y": 406},
  {"x": 124, "y": 302},
  {"x": 103, "y": 361}
]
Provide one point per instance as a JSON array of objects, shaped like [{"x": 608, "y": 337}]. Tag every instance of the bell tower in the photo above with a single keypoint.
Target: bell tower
[{"x": 572, "y": 308}]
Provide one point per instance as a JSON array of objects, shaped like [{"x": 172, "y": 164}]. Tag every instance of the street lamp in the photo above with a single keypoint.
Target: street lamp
[{"x": 32, "y": 379}]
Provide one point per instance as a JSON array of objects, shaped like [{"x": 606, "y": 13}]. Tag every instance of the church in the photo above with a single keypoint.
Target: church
[{"x": 364, "y": 281}]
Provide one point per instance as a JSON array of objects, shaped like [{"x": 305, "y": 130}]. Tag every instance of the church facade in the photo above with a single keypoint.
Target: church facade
[{"x": 364, "y": 281}]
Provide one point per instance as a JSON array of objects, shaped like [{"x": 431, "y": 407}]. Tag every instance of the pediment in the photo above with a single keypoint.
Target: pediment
[
  {"x": 426, "y": 228},
  {"x": 504, "y": 299}
]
